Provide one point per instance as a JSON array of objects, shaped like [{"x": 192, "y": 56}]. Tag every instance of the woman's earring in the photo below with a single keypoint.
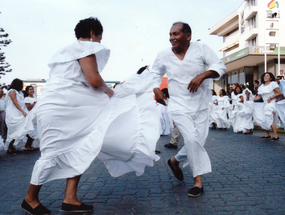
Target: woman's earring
[{"x": 91, "y": 39}]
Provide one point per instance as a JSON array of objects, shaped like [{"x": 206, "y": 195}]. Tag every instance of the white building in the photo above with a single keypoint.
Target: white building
[{"x": 256, "y": 26}]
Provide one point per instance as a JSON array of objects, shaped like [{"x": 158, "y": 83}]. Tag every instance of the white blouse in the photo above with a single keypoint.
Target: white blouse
[{"x": 268, "y": 91}]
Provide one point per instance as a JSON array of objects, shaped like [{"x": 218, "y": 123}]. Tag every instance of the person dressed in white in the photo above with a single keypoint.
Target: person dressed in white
[
  {"x": 213, "y": 115},
  {"x": 33, "y": 138},
  {"x": 280, "y": 101},
  {"x": 265, "y": 114},
  {"x": 236, "y": 111},
  {"x": 19, "y": 123},
  {"x": 77, "y": 120},
  {"x": 185, "y": 65},
  {"x": 247, "y": 109},
  {"x": 221, "y": 104}
]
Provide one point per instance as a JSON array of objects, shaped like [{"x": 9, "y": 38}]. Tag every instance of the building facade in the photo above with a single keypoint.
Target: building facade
[{"x": 253, "y": 42}]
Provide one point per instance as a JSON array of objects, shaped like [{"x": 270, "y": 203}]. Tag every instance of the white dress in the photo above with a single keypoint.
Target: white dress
[
  {"x": 280, "y": 106},
  {"x": 263, "y": 111},
  {"x": 218, "y": 112},
  {"x": 236, "y": 114},
  {"x": 222, "y": 119},
  {"x": 247, "y": 112},
  {"x": 166, "y": 122},
  {"x": 76, "y": 123},
  {"x": 18, "y": 125},
  {"x": 34, "y": 134}
]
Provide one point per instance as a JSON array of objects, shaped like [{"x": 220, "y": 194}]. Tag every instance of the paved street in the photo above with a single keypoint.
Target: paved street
[{"x": 248, "y": 178}]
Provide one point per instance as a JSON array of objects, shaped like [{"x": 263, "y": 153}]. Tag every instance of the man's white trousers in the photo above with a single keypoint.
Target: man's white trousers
[{"x": 194, "y": 128}]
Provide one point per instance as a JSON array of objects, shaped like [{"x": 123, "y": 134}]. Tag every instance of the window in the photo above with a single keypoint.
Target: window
[
  {"x": 253, "y": 42},
  {"x": 252, "y": 23},
  {"x": 272, "y": 33},
  {"x": 252, "y": 2}
]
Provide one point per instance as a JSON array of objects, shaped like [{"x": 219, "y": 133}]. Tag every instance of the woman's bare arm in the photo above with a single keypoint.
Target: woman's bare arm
[
  {"x": 30, "y": 106},
  {"x": 89, "y": 66}
]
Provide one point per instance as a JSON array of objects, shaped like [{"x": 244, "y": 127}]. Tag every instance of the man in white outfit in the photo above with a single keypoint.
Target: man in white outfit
[{"x": 185, "y": 65}]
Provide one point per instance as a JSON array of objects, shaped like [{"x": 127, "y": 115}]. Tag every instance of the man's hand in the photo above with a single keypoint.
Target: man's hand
[
  {"x": 197, "y": 81},
  {"x": 159, "y": 96}
]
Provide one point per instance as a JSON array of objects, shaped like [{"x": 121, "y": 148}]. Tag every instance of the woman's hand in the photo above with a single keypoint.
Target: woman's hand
[
  {"x": 24, "y": 113},
  {"x": 159, "y": 96},
  {"x": 109, "y": 92},
  {"x": 269, "y": 100}
]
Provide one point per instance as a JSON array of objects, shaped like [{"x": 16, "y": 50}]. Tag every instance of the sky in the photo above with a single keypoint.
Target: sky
[{"x": 134, "y": 30}]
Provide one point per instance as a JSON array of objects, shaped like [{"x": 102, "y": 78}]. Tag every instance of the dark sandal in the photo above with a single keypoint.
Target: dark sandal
[
  {"x": 39, "y": 210},
  {"x": 195, "y": 192},
  {"x": 177, "y": 172},
  {"x": 76, "y": 208}
]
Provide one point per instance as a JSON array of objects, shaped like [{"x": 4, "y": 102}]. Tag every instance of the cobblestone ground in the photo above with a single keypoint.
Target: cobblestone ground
[{"x": 248, "y": 178}]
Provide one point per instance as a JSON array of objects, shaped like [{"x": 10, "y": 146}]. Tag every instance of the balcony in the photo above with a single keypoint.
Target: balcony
[
  {"x": 226, "y": 26},
  {"x": 250, "y": 12},
  {"x": 252, "y": 34},
  {"x": 230, "y": 41}
]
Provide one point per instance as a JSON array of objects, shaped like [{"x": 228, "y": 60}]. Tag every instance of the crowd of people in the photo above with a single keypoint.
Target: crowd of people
[
  {"x": 241, "y": 108},
  {"x": 78, "y": 117},
  {"x": 18, "y": 132}
]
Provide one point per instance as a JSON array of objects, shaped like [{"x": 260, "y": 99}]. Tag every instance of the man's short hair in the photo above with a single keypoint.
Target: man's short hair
[{"x": 185, "y": 29}]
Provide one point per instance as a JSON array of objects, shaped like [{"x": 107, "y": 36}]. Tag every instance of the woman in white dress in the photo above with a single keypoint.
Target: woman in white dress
[
  {"x": 265, "y": 114},
  {"x": 247, "y": 109},
  {"x": 17, "y": 120},
  {"x": 235, "y": 112},
  {"x": 30, "y": 102},
  {"x": 78, "y": 121},
  {"x": 222, "y": 102},
  {"x": 213, "y": 110}
]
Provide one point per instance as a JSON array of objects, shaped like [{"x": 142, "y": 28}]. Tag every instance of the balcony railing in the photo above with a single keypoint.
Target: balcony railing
[{"x": 230, "y": 41}]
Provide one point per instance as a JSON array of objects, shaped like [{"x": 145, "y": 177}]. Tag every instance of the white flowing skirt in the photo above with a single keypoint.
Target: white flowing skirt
[
  {"x": 280, "y": 107},
  {"x": 263, "y": 115},
  {"x": 76, "y": 124},
  {"x": 166, "y": 122},
  {"x": 219, "y": 116},
  {"x": 18, "y": 127}
]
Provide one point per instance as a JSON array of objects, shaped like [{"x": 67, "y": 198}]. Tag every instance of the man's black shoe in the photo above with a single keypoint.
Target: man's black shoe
[
  {"x": 176, "y": 172},
  {"x": 195, "y": 192},
  {"x": 170, "y": 146},
  {"x": 76, "y": 208}
]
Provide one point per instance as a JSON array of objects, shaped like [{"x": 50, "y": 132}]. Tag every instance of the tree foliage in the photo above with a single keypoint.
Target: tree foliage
[{"x": 4, "y": 41}]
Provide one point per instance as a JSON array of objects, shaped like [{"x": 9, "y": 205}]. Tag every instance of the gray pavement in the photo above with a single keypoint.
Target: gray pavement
[{"x": 248, "y": 178}]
